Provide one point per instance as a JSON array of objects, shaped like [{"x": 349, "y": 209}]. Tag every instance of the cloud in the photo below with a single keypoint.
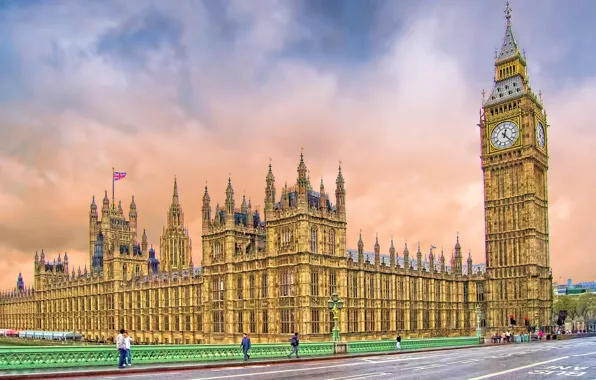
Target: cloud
[{"x": 204, "y": 89}]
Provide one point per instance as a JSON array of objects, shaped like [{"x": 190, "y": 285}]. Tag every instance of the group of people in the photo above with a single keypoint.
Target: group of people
[
  {"x": 123, "y": 344},
  {"x": 245, "y": 345}
]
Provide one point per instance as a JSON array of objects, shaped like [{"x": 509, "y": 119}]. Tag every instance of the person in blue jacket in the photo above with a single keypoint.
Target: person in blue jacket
[
  {"x": 245, "y": 346},
  {"x": 295, "y": 341}
]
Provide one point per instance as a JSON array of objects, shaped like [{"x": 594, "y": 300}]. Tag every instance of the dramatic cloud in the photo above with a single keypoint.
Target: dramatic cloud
[{"x": 203, "y": 89}]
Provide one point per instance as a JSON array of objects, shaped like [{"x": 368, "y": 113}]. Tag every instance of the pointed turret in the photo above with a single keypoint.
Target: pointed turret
[
  {"x": 229, "y": 201},
  {"x": 431, "y": 261},
  {"x": 285, "y": 203},
  {"x": 243, "y": 206},
  {"x": 175, "y": 214},
  {"x": 457, "y": 258},
  {"x": 470, "y": 264},
  {"x": 302, "y": 178},
  {"x": 174, "y": 242},
  {"x": 175, "y": 198},
  {"x": 340, "y": 193},
  {"x": 360, "y": 249},
  {"x": 322, "y": 197},
  {"x": 132, "y": 216},
  {"x": 120, "y": 210},
  {"x": 206, "y": 211},
  {"x": 377, "y": 252},
  {"x": 442, "y": 261},
  {"x": 406, "y": 256},
  {"x": 217, "y": 220},
  {"x": 106, "y": 204},
  {"x": 249, "y": 215},
  {"x": 93, "y": 208},
  {"x": 392, "y": 255},
  {"x": 144, "y": 242},
  {"x": 419, "y": 263},
  {"x": 270, "y": 189}
]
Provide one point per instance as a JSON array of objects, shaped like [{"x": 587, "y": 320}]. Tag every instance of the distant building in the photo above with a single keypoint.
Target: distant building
[{"x": 570, "y": 289}]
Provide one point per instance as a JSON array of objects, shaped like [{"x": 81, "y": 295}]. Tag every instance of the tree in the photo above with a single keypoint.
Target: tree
[
  {"x": 567, "y": 303},
  {"x": 586, "y": 306},
  {"x": 581, "y": 306}
]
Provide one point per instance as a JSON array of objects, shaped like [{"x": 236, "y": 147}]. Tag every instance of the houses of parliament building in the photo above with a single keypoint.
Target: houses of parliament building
[{"x": 271, "y": 273}]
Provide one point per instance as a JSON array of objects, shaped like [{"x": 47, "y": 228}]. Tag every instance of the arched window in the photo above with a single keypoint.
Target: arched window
[
  {"x": 331, "y": 242},
  {"x": 313, "y": 240},
  {"x": 217, "y": 251}
]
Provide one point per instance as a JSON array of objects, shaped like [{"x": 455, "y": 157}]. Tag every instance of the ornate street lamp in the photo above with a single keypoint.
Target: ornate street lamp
[{"x": 335, "y": 305}]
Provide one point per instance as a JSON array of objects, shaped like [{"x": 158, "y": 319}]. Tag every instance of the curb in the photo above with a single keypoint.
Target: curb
[{"x": 194, "y": 367}]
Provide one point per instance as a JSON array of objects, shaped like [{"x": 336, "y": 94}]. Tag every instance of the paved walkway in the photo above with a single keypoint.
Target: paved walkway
[{"x": 170, "y": 367}]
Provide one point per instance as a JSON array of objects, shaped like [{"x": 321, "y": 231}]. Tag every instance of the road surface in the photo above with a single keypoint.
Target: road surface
[{"x": 547, "y": 360}]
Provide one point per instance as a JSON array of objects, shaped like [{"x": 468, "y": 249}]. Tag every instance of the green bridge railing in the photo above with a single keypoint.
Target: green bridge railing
[
  {"x": 15, "y": 358},
  {"x": 410, "y": 344}
]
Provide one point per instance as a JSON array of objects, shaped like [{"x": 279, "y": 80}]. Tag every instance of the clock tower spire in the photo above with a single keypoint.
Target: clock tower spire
[{"x": 513, "y": 131}]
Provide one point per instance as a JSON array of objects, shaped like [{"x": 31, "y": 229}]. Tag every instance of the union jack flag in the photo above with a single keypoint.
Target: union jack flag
[{"x": 119, "y": 175}]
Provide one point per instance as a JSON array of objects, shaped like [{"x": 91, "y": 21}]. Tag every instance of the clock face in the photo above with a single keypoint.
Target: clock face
[
  {"x": 505, "y": 135},
  {"x": 540, "y": 134}
]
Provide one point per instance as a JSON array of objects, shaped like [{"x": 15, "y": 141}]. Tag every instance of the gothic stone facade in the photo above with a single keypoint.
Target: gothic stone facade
[
  {"x": 268, "y": 278},
  {"x": 273, "y": 277}
]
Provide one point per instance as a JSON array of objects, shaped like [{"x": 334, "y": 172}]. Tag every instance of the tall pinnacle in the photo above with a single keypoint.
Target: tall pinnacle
[
  {"x": 175, "y": 199},
  {"x": 509, "y": 48}
]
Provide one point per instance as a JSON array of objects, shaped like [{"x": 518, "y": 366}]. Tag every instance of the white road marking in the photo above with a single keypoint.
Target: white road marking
[
  {"x": 363, "y": 376},
  {"x": 429, "y": 366},
  {"x": 276, "y": 372},
  {"x": 517, "y": 369},
  {"x": 394, "y": 360},
  {"x": 243, "y": 367},
  {"x": 586, "y": 354}
]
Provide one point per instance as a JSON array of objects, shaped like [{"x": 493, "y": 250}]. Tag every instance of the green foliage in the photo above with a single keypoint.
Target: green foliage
[{"x": 581, "y": 306}]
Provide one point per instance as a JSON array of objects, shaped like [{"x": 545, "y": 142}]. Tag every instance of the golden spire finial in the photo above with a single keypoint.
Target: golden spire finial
[
  {"x": 483, "y": 94},
  {"x": 270, "y": 160},
  {"x": 301, "y": 148},
  {"x": 507, "y": 11},
  {"x": 540, "y": 95}
]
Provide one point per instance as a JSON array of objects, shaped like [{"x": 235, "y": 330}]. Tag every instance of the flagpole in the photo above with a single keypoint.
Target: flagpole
[{"x": 113, "y": 187}]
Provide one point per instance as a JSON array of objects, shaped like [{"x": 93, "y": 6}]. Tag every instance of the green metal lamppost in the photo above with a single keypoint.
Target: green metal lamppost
[{"x": 335, "y": 305}]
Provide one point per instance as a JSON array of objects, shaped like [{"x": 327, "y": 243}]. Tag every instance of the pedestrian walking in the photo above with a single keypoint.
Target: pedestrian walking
[
  {"x": 121, "y": 345},
  {"x": 127, "y": 341},
  {"x": 294, "y": 342},
  {"x": 398, "y": 344},
  {"x": 245, "y": 346}
]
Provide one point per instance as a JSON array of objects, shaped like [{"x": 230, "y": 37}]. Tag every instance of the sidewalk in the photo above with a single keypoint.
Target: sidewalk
[{"x": 174, "y": 367}]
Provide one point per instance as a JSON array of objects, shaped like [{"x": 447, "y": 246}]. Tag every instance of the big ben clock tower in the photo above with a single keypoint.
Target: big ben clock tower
[{"x": 514, "y": 134}]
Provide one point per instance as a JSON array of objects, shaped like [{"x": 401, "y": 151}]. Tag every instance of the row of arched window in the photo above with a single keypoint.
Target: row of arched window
[{"x": 328, "y": 241}]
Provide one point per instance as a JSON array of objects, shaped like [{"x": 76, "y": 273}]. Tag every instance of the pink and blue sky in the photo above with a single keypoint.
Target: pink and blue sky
[{"x": 200, "y": 89}]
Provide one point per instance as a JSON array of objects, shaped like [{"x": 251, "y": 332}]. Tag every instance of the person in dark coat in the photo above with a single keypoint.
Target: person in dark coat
[
  {"x": 294, "y": 342},
  {"x": 398, "y": 344},
  {"x": 245, "y": 346}
]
